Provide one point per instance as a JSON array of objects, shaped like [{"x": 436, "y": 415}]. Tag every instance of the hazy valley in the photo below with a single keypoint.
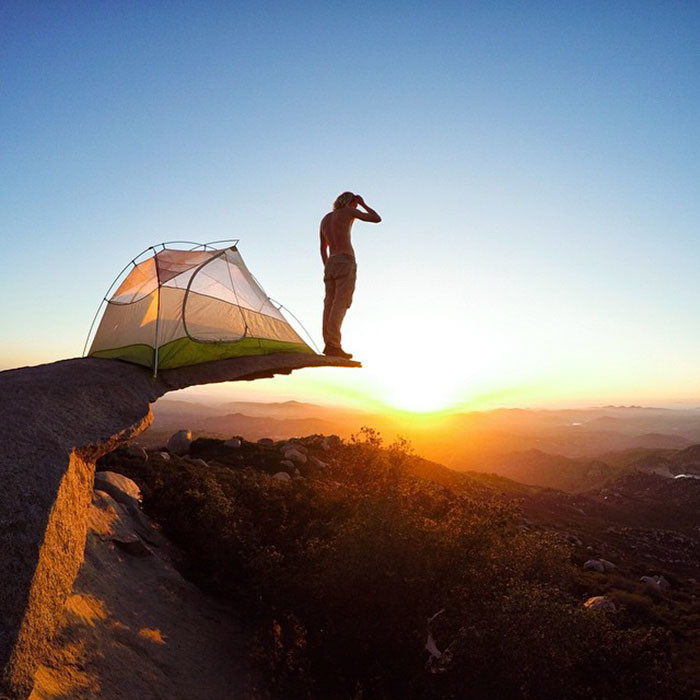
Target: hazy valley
[{"x": 569, "y": 449}]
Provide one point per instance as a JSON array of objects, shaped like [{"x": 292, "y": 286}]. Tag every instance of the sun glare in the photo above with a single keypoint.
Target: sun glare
[
  {"x": 442, "y": 379},
  {"x": 419, "y": 394},
  {"x": 403, "y": 384}
]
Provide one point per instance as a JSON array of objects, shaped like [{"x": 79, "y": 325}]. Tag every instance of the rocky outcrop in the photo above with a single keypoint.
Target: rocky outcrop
[
  {"x": 57, "y": 419},
  {"x": 132, "y": 627}
]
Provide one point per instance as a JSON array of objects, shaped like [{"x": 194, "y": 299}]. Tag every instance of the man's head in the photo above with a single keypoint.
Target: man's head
[{"x": 347, "y": 199}]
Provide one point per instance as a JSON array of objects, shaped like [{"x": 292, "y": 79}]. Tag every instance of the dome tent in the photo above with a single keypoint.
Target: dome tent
[{"x": 184, "y": 307}]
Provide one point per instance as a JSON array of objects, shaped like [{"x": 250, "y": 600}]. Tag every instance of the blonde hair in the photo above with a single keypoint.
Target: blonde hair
[{"x": 343, "y": 200}]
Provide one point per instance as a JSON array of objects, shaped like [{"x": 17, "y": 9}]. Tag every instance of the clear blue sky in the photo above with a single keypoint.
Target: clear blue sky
[{"x": 537, "y": 166}]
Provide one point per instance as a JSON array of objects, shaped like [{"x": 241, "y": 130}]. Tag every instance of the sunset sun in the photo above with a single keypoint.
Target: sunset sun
[{"x": 418, "y": 392}]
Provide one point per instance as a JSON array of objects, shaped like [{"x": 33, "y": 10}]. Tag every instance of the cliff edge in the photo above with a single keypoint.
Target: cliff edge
[{"x": 57, "y": 419}]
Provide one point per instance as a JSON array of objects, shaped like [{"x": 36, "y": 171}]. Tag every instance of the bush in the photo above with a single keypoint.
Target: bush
[{"x": 338, "y": 574}]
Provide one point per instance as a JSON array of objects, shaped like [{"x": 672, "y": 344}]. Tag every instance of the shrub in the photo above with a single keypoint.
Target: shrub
[{"x": 338, "y": 574}]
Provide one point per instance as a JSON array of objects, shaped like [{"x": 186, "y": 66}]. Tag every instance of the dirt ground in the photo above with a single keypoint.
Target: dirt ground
[{"x": 134, "y": 629}]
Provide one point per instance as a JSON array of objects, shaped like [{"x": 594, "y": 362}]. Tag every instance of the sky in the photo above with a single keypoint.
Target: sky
[{"x": 536, "y": 167}]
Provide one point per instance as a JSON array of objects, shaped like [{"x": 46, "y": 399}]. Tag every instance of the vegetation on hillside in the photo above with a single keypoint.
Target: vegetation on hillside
[{"x": 337, "y": 573}]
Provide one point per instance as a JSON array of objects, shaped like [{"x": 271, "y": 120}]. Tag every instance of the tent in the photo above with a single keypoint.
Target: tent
[{"x": 183, "y": 307}]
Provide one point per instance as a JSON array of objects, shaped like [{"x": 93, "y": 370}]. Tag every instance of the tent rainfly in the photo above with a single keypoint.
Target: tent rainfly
[{"x": 185, "y": 307}]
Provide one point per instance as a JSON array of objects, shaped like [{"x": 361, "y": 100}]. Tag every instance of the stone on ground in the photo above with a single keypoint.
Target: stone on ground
[
  {"x": 119, "y": 487},
  {"x": 294, "y": 455},
  {"x": 179, "y": 443},
  {"x": 599, "y": 602}
]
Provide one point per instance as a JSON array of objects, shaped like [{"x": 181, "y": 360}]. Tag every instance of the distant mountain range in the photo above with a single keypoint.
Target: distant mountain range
[
  {"x": 580, "y": 474},
  {"x": 249, "y": 419},
  {"x": 572, "y": 449}
]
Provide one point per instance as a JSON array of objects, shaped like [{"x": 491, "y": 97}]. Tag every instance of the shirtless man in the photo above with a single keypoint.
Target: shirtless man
[{"x": 340, "y": 266}]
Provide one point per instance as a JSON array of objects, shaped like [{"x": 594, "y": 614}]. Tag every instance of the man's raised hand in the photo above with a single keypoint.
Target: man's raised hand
[{"x": 368, "y": 215}]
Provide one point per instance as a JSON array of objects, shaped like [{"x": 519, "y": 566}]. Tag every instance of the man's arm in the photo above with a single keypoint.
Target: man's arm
[
  {"x": 370, "y": 214},
  {"x": 324, "y": 245}
]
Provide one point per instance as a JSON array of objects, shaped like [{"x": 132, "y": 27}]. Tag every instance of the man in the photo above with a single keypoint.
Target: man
[{"x": 340, "y": 266}]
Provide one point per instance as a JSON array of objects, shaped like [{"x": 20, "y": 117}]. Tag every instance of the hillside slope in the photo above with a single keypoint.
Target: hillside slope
[
  {"x": 362, "y": 571},
  {"x": 133, "y": 627}
]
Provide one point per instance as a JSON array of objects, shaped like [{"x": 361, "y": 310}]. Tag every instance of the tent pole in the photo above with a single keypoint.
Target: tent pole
[
  {"x": 303, "y": 327},
  {"x": 155, "y": 355},
  {"x": 92, "y": 325},
  {"x": 155, "y": 358},
  {"x": 106, "y": 296}
]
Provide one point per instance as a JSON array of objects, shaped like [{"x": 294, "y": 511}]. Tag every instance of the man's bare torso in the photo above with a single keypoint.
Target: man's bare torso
[
  {"x": 336, "y": 225},
  {"x": 335, "y": 229}
]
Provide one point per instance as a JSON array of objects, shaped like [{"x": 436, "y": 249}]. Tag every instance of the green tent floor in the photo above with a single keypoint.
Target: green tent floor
[{"x": 184, "y": 351}]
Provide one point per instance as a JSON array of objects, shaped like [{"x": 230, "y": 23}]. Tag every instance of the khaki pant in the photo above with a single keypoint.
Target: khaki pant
[{"x": 339, "y": 278}]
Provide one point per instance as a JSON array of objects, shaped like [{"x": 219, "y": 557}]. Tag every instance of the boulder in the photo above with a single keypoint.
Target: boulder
[
  {"x": 317, "y": 462},
  {"x": 330, "y": 442},
  {"x": 599, "y": 602},
  {"x": 179, "y": 443},
  {"x": 234, "y": 442},
  {"x": 287, "y": 464},
  {"x": 294, "y": 455},
  {"x": 119, "y": 487},
  {"x": 165, "y": 456},
  {"x": 295, "y": 446},
  {"x": 137, "y": 453},
  {"x": 266, "y": 442},
  {"x": 282, "y": 476},
  {"x": 658, "y": 583},
  {"x": 601, "y": 565},
  {"x": 198, "y": 461}
]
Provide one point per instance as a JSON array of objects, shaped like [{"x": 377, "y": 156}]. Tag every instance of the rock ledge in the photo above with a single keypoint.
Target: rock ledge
[{"x": 57, "y": 419}]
